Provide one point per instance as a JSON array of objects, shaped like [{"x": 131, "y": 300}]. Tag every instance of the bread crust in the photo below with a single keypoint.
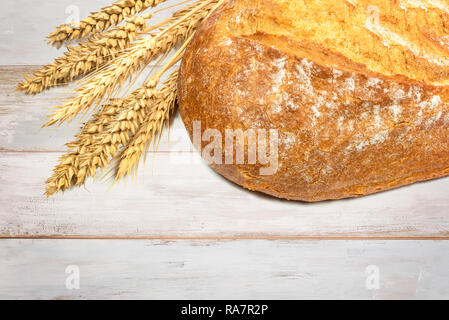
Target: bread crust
[{"x": 345, "y": 130}]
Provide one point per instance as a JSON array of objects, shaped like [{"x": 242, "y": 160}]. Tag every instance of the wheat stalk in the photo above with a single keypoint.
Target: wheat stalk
[
  {"x": 127, "y": 126},
  {"x": 138, "y": 56},
  {"x": 102, "y": 137},
  {"x": 100, "y": 20},
  {"x": 86, "y": 57}
]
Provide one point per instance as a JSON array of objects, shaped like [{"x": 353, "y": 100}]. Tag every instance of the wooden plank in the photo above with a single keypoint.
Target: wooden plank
[
  {"x": 184, "y": 198},
  {"x": 22, "y": 116},
  {"x": 35, "y": 269}
]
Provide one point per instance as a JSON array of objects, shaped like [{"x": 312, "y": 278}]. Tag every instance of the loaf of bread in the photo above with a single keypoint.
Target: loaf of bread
[{"x": 356, "y": 91}]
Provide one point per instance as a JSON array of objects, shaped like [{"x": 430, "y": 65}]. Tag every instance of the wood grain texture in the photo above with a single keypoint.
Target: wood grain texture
[
  {"x": 183, "y": 198},
  {"x": 133, "y": 269}
]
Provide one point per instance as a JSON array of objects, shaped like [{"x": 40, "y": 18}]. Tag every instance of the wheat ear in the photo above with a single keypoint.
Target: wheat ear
[
  {"x": 151, "y": 129},
  {"x": 100, "y": 20},
  {"x": 137, "y": 57},
  {"x": 76, "y": 166},
  {"x": 86, "y": 57}
]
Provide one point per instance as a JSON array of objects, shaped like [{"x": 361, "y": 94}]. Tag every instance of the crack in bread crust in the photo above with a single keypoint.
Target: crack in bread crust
[{"x": 389, "y": 37}]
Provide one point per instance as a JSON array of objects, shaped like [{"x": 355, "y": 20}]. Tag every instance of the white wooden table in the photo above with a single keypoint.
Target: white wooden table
[{"x": 182, "y": 231}]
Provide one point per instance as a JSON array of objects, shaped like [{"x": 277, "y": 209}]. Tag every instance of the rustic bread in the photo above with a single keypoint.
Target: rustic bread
[{"x": 356, "y": 89}]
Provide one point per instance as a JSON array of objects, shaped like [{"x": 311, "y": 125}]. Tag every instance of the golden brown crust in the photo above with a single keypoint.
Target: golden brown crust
[{"x": 346, "y": 129}]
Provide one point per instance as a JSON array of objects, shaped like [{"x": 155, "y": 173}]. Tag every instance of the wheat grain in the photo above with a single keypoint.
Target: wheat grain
[
  {"x": 100, "y": 21},
  {"x": 86, "y": 57},
  {"x": 138, "y": 56},
  {"x": 102, "y": 137}
]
